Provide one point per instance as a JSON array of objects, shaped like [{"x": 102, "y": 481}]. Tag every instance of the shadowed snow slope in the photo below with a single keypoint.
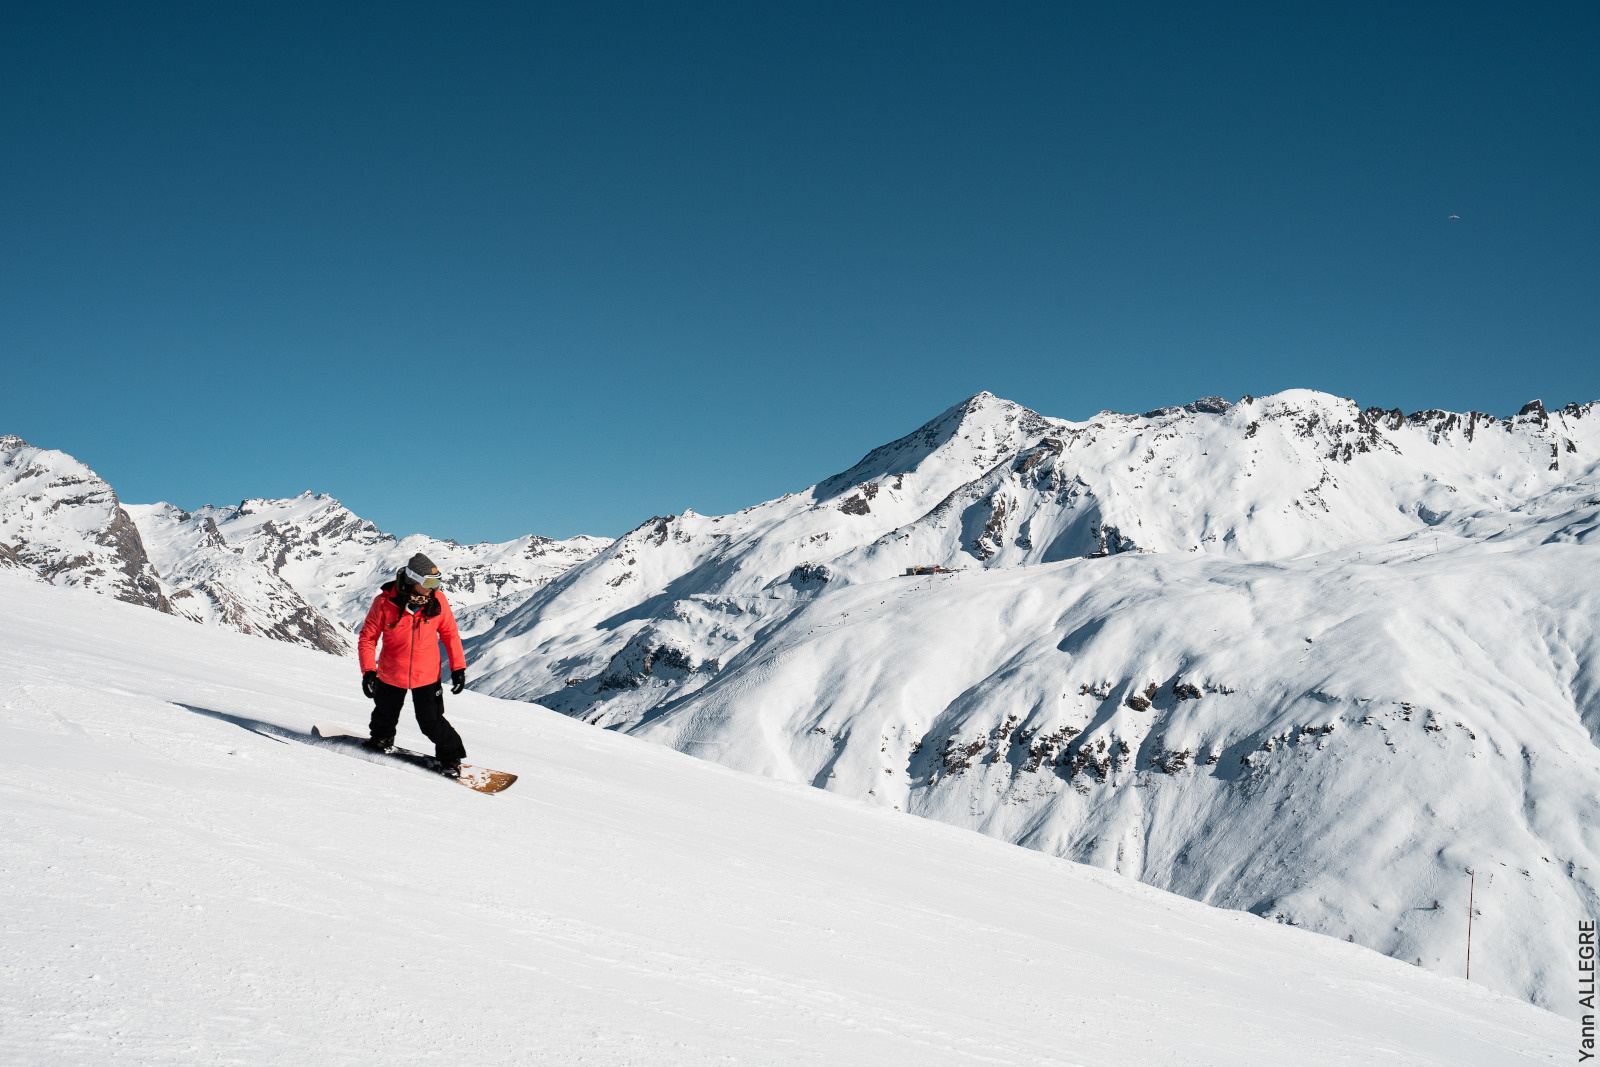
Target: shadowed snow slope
[
  {"x": 1289, "y": 656},
  {"x": 187, "y": 879}
]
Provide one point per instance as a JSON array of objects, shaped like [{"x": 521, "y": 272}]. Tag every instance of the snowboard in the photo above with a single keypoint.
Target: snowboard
[{"x": 480, "y": 778}]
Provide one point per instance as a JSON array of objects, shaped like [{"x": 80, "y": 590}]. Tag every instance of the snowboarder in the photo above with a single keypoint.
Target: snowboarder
[{"x": 411, "y": 616}]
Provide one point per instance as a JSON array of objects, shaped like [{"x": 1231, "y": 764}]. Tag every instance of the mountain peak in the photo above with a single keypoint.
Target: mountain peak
[
  {"x": 981, "y": 399},
  {"x": 973, "y": 433},
  {"x": 1208, "y": 405},
  {"x": 64, "y": 522}
]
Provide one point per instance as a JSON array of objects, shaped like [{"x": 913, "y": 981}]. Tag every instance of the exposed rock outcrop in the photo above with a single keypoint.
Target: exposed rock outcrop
[{"x": 64, "y": 522}]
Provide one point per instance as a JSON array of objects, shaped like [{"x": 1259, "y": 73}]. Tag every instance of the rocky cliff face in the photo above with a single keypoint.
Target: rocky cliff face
[
  {"x": 1288, "y": 655},
  {"x": 212, "y": 582},
  {"x": 62, "y": 521}
]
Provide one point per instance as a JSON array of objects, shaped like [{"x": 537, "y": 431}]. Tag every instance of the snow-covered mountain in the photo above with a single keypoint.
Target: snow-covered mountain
[
  {"x": 1286, "y": 655},
  {"x": 302, "y": 570},
  {"x": 63, "y": 522},
  {"x": 337, "y": 560},
  {"x": 189, "y": 877},
  {"x": 211, "y": 581}
]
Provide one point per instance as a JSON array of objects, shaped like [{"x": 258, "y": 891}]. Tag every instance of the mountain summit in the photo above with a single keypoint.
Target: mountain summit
[{"x": 64, "y": 522}]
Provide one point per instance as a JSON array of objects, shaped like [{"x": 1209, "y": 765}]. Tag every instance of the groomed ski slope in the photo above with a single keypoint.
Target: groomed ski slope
[{"x": 179, "y": 885}]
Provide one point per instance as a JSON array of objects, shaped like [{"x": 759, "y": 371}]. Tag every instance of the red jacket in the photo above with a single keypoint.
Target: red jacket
[{"x": 410, "y": 656}]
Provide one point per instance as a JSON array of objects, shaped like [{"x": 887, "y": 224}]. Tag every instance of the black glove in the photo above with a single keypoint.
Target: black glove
[
  {"x": 458, "y": 680},
  {"x": 369, "y": 683}
]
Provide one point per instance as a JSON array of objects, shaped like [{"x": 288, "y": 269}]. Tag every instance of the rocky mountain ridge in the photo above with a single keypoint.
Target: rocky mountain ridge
[
  {"x": 301, "y": 570},
  {"x": 990, "y": 484},
  {"x": 338, "y": 560}
]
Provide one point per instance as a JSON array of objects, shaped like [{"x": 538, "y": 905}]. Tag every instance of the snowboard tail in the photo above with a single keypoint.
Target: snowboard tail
[{"x": 481, "y": 779}]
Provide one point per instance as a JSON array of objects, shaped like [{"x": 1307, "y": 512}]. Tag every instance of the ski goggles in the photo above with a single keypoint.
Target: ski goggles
[{"x": 429, "y": 582}]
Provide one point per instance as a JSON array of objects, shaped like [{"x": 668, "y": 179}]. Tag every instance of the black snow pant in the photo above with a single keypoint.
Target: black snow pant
[{"x": 428, "y": 702}]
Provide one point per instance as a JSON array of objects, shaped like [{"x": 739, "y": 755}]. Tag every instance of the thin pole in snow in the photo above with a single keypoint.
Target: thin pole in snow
[{"x": 1472, "y": 885}]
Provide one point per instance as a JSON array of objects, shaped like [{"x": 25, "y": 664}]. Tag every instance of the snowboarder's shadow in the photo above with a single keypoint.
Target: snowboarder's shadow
[{"x": 281, "y": 734}]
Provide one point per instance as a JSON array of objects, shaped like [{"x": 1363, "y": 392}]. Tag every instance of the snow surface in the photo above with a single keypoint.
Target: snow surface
[
  {"x": 1289, "y": 656},
  {"x": 186, "y": 880}
]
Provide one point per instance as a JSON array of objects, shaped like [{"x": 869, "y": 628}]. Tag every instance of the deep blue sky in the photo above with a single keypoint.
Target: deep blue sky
[{"x": 483, "y": 270}]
